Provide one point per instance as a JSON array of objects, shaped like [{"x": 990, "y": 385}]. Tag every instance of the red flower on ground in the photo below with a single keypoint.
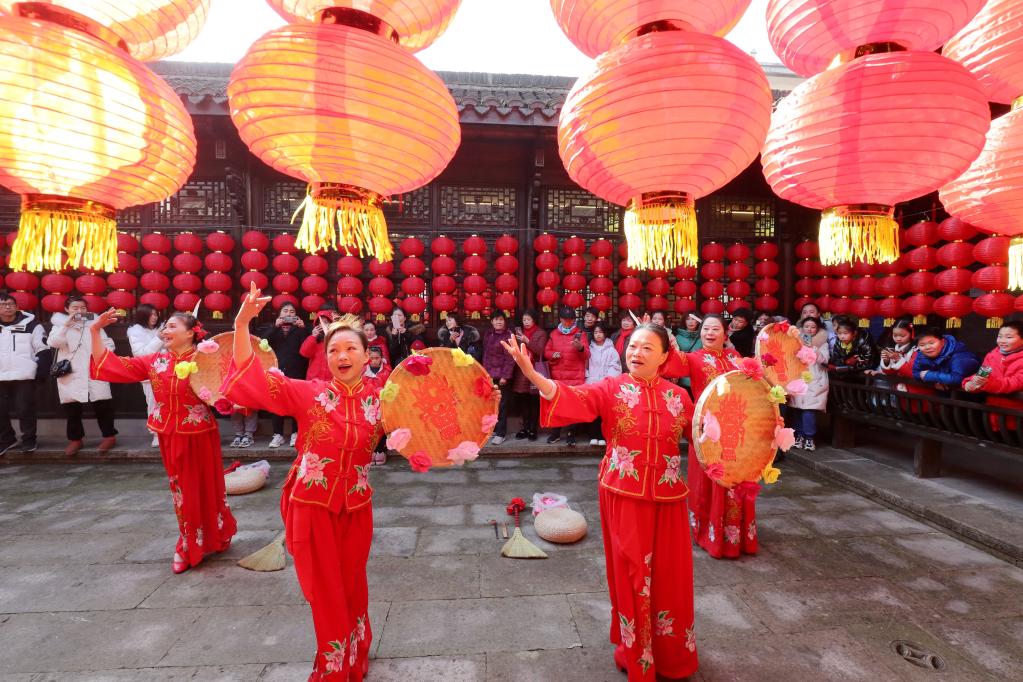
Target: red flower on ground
[{"x": 516, "y": 505}]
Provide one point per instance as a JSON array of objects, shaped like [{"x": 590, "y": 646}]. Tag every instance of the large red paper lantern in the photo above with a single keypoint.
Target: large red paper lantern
[
  {"x": 23, "y": 286},
  {"x": 995, "y": 306},
  {"x": 891, "y": 309},
  {"x": 216, "y": 282},
  {"x": 629, "y": 134},
  {"x": 867, "y": 134},
  {"x": 953, "y": 307},
  {"x": 349, "y": 111},
  {"x": 155, "y": 263},
  {"x": 119, "y": 137},
  {"x": 58, "y": 286}
]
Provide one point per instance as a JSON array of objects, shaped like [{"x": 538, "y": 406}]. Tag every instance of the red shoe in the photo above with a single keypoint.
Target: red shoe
[
  {"x": 72, "y": 448},
  {"x": 107, "y": 444},
  {"x": 178, "y": 564},
  {"x": 620, "y": 661}
]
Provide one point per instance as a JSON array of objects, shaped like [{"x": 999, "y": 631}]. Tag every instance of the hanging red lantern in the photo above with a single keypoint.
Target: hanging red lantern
[
  {"x": 474, "y": 246},
  {"x": 380, "y": 307},
  {"x": 737, "y": 271},
  {"x": 506, "y": 301},
  {"x": 187, "y": 263},
  {"x": 443, "y": 304},
  {"x": 953, "y": 307},
  {"x": 59, "y": 286},
  {"x": 955, "y": 255},
  {"x": 412, "y": 247},
  {"x": 254, "y": 260},
  {"x": 601, "y": 285},
  {"x": 994, "y": 306},
  {"x": 474, "y": 305},
  {"x": 442, "y": 246},
  {"x": 124, "y": 281},
  {"x": 285, "y": 264},
  {"x": 863, "y": 309},
  {"x": 767, "y": 304},
  {"x": 601, "y": 267},
  {"x": 890, "y": 309},
  {"x": 23, "y": 284},
  {"x": 92, "y": 286},
  {"x": 629, "y": 302},
  {"x": 545, "y": 242},
  {"x": 767, "y": 268},
  {"x": 991, "y": 278},
  {"x": 954, "y": 281},
  {"x": 156, "y": 263},
  {"x": 574, "y": 282},
  {"x": 547, "y": 279},
  {"x": 349, "y": 305},
  {"x": 349, "y": 286},
  {"x": 663, "y": 156},
  {"x": 738, "y": 290},
  {"x": 216, "y": 282},
  {"x": 992, "y": 251},
  {"x": 712, "y": 289},
  {"x": 414, "y": 306},
  {"x": 804, "y": 268},
  {"x": 712, "y": 306},
  {"x": 766, "y": 286},
  {"x": 601, "y": 248},
  {"x": 548, "y": 298},
  {"x": 919, "y": 306},
  {"x": 573, "y": 245},
  {"x": 737, "y": 252}
]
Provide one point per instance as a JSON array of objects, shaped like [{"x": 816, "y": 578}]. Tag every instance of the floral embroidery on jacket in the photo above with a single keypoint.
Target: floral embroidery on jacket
[
  {"x": 328, "y": 399},
  {"x": 672, "y": 471},
  {"x": 360, "y": 628},
  {"x": 362, "y": 479},
  {"x": 160, "y": 364},
  {"x": 674, "y": 402},
  {"x": 310, "y": 471},
  {"x": 353, "y": 650},
  {"x": 691, "y": 639},
  {"x": 627, "y": 629},
  {"x": 646, "y": 659},
  {"x": 371, "y": 409},
  {"x": 732, "y": 535},
  {"x": 335, "y": 658},
  {"x": 623, "y": 461},
  {"x": 629, "y": 394},
  {"x": 665, "y": 624},
  {"x": 157, "y": 412},
  {"x": 197, "y": 414}
]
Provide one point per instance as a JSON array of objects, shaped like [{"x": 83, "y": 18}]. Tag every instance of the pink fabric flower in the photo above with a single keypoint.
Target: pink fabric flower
[
  {"x": 796, "y": 387},
  {"x": 205, "y": 394},
  {"x": 752, "y": 368},
  {"x": 784, "y": 438},
  {"x": 276, "y": 371},
  {"x": 711, "y": 428},
  {"x": 466, "y": 451},
  {"x": 223, "y": 406},
  {"x": 398, "y": 439},
  {"x": 716, "y": 471},
  {"x": 487, "y": 422},
  {"x": 209, "y": 346},
  {"x": 807, "y": 355},
  {"x": 762, "y": 337},
  {"x": 420, "y": 462},
  {"x": 418, "y": 365}
]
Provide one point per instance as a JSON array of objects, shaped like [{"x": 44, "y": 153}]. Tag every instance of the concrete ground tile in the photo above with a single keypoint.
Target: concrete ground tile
[
  {"x": 394, "y": 541},
  {"x": 16, "y": 677},
  {"x": 586, "y": 474},
  {"x": 33, "y": 589},
  {"x": 945, "y": 552},
  {"x": 53, "y": 522},
  {"x": 398, "y": 495},
  {"x": 446, "y": 668},
  {"x": 501, "y": 493},
  {"x": 816, "y": 655},
  {"x": 548, "y": 478},
  {"x": 809, "y": 604},
  {"x": 774, "y": 505},
  {"x": 24, "y": 503},
  {"x": 850, "y": 523},
  {"x": 453, "y": 540},
  {"x": 794, "y": 482},
  {"x": 118, "y": 500},
  {"x": 91, "y": 640},
  {"x": 288, "y": 672},
  {"x": 467, "y": 626},
  {"x": 419, "y": 516},
  {"x": 970, "y": 594},
  {"x": 839, "y": 502},
  {"x": 423, "y": 577},
  {"x": 766, "y": 566},
  {"x": 27, "y": 483},
  {"x": 433, "y": 476},
  {"x": 590, "y": 664},
  {"x": 219, "y": 673},
  {"x": 721, "y": 612},
  {"x": 225, "y": 584},
  {"x": 993, "y": 645},
  {"x": 564, "y": 571},
  {"x": 254, "y": 634},
  {"x": 160, "y": 548},
  {"x": 592, "y": 615},
  {"x": 787, "y": 528},
  {"x": 70, "y": 549},
  {"x": 880, "y": 557},
  {"x": 267, "y": 517},
  {"x": 877, "y": 639},
  {"x": 816, "y": 557}
]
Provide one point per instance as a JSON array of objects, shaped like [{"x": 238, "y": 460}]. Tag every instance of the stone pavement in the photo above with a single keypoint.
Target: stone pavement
[{"x": 86, "y": 592}]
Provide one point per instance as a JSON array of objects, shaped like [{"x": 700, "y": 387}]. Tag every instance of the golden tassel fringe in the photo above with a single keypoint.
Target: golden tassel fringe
[
  {"x": 994, "y": 322},
  {"x": 359, "y": 225},
  {"x": 1016, "y": 263},
  {"x": 849, "y": 234},
  {"x": 919, "y": 319},
  {"x": 662, "y": 235},
  {"x": 54, "y": 239},
  {"x": 953, "y": 323}
]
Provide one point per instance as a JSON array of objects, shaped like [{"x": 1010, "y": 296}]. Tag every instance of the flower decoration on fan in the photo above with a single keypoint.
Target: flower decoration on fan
[
  {"x": 466, "y": 451},
  {"x": 806, "y": 376},
  {"x": 748, "y": 490},
  {"x": 488, "y": 422},
  {"x": 752, "y": 368},
  {"x": 184, "y": 369},
  {"x": 224, "y": 406},
  {"x": 796, "y": 387},
  {"x": 768, "y": 360},
  {"x": 807, "y": 355},
  {"x": 483, "y": 387},
  {"x": 711, "y": 428},
  {"x": 770, "y": 474},
  {"x": 398, "y": 439},
  {"x": 777, "y": 395},
  {"x": 389, "y": 392},
  {"x": 264, "y": 345},
  {"x": 716, "y": 471},
  {"x": 418, "y": 365},
  {"x": 208, "y": 347},
  {"x": 205, "y": 395},
  {"x": 420, "y": 462},
  {"x": 784, "y": 438},
  {"x": 461, "y": 358}
]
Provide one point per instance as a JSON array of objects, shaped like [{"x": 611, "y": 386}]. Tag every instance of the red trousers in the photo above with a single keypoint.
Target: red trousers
[
  {"x": 195, "y": 470},
  {"x": 330, "y": 552},
  {"x": 723, "y": 521},
  {"x": 650, "y": 580}
]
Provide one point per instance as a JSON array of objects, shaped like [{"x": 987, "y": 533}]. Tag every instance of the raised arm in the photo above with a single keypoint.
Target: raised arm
[
  {"x": 520, "y": 354},
  {"x": 104, "y": 365},
  {"x": 252, "y": 303}
]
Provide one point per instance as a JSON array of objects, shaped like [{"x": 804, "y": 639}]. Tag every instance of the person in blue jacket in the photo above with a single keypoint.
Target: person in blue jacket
[{"x": 941, "y": 360}]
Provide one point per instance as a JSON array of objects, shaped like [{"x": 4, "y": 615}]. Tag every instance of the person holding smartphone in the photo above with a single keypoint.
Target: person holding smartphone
[
  {"x": 567, "y": 354},
  {"x": 73, "y": 342},
  {"x": 285, "y": 335}
]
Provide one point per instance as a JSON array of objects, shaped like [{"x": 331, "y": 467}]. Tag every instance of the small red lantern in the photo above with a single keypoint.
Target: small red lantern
[
  {"x": 601, "y": 248},
  {"x": 992, "y": 251},
  {"x": 547, "y": 279},
  {"x": 380, "y": 306},
  {"x": 994, "y": 306},
  {"x": 737, "y": 252},
  {"x": 954, "y": 281},
  {"x": 736, "y": 271},
  {"x": 474, "y": 245},
  {"x": 573, "y": 299},
  {"x": 955, "y": 255},
  {"x": 349, "y": 286},
  {"x": 864, "y": 309},
  {"x": 738, "y": 290},
  {"x": 766, "y": 286},
  {"x": 474, "y": 305},
  {"x": 443, "y": 304},
  {"x": 443, "y": 265},
  {"x": 601, "y": 286},
  {"x": 992, "y": 278},
  {"x": 768, "y": 268},
  {"x": 921, "y": 258},
  {"x": 602, "y": 302},
  {"x": 412, "y": 247},
  {"x": 573, "y": 245},
  {"x": 506, "y": 301},
  {"x": 442, "y": 246},
  {"x": 953, "y": 307},
  {"x": 712, "y": 270},
  {"x": 923, "y": 233},
  {"x": 59, "y": 286},
  {"x": 413, "y": 306},
  {"x": 806, "y": 249},
  {"x": 576, "y": 282},
  {"x": 629, "y": 302},
  {"x": 767, "y": 303},
  {"x": 919, "y": 306},
  {"x": 545, "y": 242},
  {"x": 349, "y": 305},
  {"x": 712, "y": 289},
  {"x": 712, "y": 306}
]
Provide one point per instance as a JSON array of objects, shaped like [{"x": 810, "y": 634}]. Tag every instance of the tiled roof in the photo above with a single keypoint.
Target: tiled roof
[{"x": 515, "y": 99}]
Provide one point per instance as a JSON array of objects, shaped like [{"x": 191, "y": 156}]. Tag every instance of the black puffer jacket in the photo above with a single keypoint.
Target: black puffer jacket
[
  {"x": 859, "y": 357},
  {"x": 469, "y": 343}
]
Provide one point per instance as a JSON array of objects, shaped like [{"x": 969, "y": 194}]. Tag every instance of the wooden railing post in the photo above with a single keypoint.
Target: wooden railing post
[
  {"x": 927, "y": 458},
  {"x": 843, "y": 433}
]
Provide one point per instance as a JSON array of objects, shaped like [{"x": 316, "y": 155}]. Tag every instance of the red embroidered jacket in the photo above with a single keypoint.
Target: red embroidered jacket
[
  {"x": 701, "y": 366},
  {"x": 643, "y": 423},
  {"x": 338, "y": 427},
  {"x": 178, "y": 409}
]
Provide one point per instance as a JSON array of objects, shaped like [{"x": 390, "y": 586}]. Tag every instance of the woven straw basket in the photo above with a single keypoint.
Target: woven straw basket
[
  {"x": 783, "y": 348},
  {"x": 213, "y": 366},
  {"x": 562, "y": 525},
  {"x": 244, "y": 481}
]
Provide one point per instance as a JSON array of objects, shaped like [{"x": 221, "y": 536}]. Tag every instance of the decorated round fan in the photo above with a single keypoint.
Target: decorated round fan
[
  {"x": 214, "y": 361},
  {"x": 439, "y": 407},
  {"x": 779, "y": 351},
  {"x": 737, "y": 429}
]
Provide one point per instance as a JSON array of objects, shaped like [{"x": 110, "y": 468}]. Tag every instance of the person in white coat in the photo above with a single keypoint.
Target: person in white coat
[
  {"x": 71, "y": 338},
  {"x": 144, "y": 337},
  {"x": 21, "y": 338},
  {"x": 604, "y": 362},
  {"x": 802, "y": 409}
]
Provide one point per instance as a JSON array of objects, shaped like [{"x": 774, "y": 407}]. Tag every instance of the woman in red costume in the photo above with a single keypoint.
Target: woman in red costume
[
  {"x": 642, "y": 502},
  {"x": 187, "y": 431},
  {"x": 325, "y": 504},
  {"x": 723, "y": 521}
]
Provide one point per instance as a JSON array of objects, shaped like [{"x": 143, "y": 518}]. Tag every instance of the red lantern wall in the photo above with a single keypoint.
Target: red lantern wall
[
  {"x": 442, "y": 267},
  {"x": 254, "y": 260},
  {"x": 124, "y": 281},
  {"x": 547, "y": 279},
  {"x": 507, "y": 265},
  {"x": 285, "y": 283},
  {"x": 413, "y": 285},
  {"x": 712, "y": 272},
  {"x": 218, "y": 280},
  {"x": 156, "y": 263}
]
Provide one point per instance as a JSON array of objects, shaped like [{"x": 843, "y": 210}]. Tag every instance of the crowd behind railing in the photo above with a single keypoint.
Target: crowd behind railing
[{"x": 580, "y": 349}]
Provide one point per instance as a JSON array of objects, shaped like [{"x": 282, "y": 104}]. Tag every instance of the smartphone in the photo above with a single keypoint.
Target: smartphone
[
  {"x": 87, "y": 317},
  {"x": 290, "y": 319},
  {"x": 518, "y": 331}
]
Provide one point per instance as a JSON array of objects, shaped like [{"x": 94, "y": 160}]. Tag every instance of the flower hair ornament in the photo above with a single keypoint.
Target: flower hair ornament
[{"x": 200, "y": 333}]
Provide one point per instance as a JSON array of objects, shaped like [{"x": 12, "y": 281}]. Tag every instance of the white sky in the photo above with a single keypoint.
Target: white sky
[{"x": 497, "y": 36}]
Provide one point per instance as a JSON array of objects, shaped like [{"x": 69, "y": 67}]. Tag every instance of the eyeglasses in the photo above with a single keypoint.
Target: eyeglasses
[{"x": 8, "y": 304}]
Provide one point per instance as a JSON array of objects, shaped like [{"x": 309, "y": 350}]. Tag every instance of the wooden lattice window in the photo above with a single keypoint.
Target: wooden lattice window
[
  {"x": 133, "y": 216},
  {"x": 10, "y": 209},
  {"x": 280, "y": 200},
  {"x": 197, "y": 202},
  {"x": 725, "y": 217},
  {"x": 576, "y": 210},
  {"x": 410, "y": 208},
  {"x": 478, "y": 206}
]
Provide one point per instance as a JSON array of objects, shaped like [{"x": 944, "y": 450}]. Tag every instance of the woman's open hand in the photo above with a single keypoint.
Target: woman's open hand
[
  {"x": 105, "y": 319},
  {"x": 520, "y": 354},
  {"x": 252, "y": 303}
]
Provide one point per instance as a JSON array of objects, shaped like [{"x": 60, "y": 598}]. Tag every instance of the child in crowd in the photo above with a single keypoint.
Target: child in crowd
[
  {"x": 802, "y": 408},
  {"x": 854, "y": 351},
  {"x": 377, "y": 367},
  {"x": 942, "y": 360},
  {"x": 603, "y": 363}
]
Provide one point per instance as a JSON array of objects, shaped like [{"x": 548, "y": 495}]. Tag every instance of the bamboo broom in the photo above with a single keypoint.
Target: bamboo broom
[
  {"x": 518, "y": 547},
  {"x": 270, "y": 558}
]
